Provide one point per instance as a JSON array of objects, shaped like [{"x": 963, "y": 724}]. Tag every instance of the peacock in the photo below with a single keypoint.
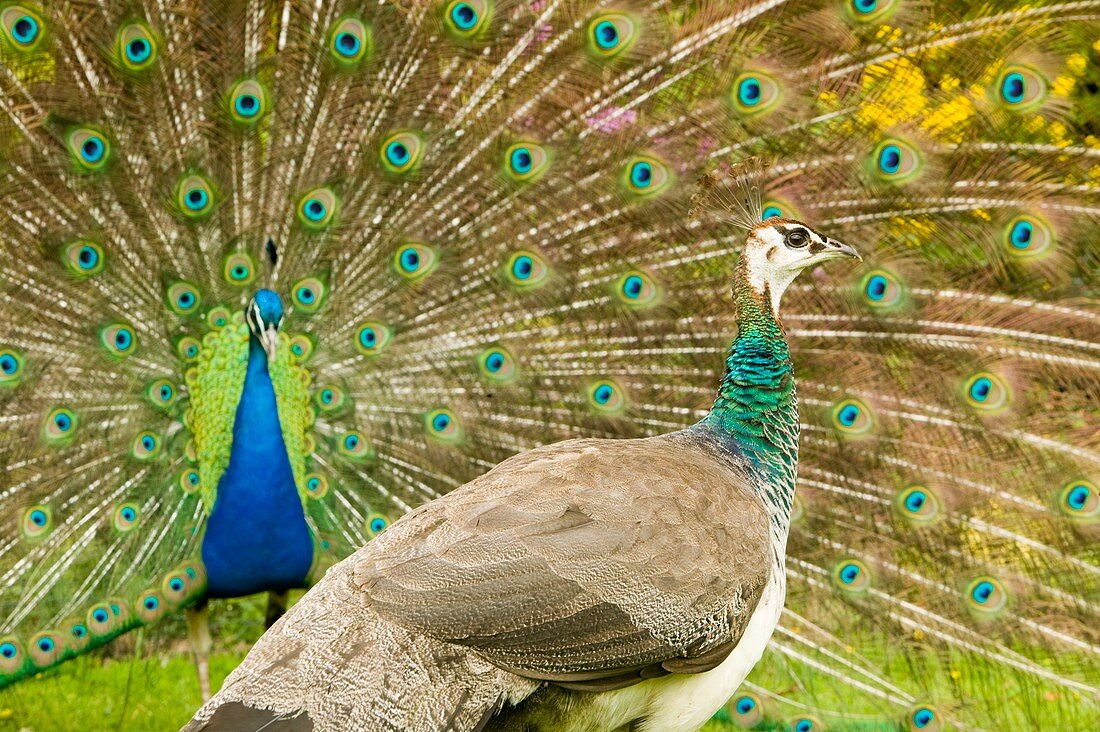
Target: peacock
[{"x": 273, "y": 274}]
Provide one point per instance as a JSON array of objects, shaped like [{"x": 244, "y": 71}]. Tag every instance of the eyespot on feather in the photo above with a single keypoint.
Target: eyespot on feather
[
  {"x": 986, "y": 595},
  {"x": 83, "y": 258},
  {"x": 1028, "y": 236},
  {"x": 37, "y": 522},
  {"x": 1020, "y": 88},
  {"x": 11, "y": 366},
  {"x": 317, "y": 209},
  {"x": 376, "y": 523},
  {"x": 870, "y": 11},
  {"x": 401, "y": 152},
  {"x": 442, "y": 425},
  {"x": 526, "y": 269},
  {"x": 637, "y": 289},
  {"x": 497, "y": 364},
  {"x": 309, "y": 294},
  {"x": 415, "y": 261},
  {"x": 183, "y": 298},
  {"x": 126, "y": 516},
  {"x": 755, "y": 92},
  {"x": 136, "y": 47},
  {"x": 372, "y": 337},
  {"x": 746, "y": 709},
  {"x": 60, "y": 426},
  {"x": 248, "y": 101},
  {"x": 22, "y": 28},
  {"x": 525, "y": 162},
  {"x": 195, "y": 196},
  {"x": 645, "y": 176},
  {"x": 986, "y": 392},
  {"x": 923, "y": 718},
  {"x": 89, "y": 148},
  {"x": 605, "y": 396},
  {"x": 350, "y": 41},
  {"x": 611, "y": 34},
  {"x": 354, "y": 446},
  {"x": 851, "y": 576},
  {"x": 466, "y": 19},
  {"x": 896, "y": 161},
  {"x": 851, "y": 417}
]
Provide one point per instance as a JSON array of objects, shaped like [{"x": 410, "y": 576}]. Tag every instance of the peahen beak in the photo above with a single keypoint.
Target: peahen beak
[
  {"x": 838, "y": 249},
  {"x": 270, "y": 341}
]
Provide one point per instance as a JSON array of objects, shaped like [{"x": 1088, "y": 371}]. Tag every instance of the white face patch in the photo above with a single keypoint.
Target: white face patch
[{"x": 776, "y": 254}]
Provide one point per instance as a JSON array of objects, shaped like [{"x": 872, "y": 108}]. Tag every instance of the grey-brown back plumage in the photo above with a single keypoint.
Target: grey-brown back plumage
[{"x": 588, "y": 561}]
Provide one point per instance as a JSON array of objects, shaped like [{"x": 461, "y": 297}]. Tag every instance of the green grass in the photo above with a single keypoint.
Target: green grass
[{"x": 146, "y": 681}]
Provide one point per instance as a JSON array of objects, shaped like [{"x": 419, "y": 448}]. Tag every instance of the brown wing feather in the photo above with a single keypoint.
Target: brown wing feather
[{"x": 586, "y": 561}]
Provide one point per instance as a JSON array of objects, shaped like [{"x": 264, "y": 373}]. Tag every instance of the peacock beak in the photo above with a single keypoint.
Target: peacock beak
[{"x": 270, "y": 342}]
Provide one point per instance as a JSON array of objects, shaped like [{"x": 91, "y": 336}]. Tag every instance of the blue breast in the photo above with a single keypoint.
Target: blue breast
[{"x": 256, "y": 537}]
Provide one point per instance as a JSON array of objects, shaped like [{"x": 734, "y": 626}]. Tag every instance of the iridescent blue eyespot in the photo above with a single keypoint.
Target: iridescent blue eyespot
[
  {"x": 37, "y": 517},
  {"x": 494, "y": 362},
  {"x": 1012, "y": 87},
  {"x": 25, "y": 29},
  {"x": 521, "y": 161},
  {"x": 1078, "y": 497},
  {"x": 92, "y": 150},
  {"x": 603, "y": 393},
  {"x": 980, "y": 389},
  {"x": 1020, "y": 235},
  {"x": 410, "y": 259},
  {"x": 748, "y": 92},
  {"x": 889, "y": 159},
  {"x": 247, "y": 105},
  {"x": 397, "y": 153},
  {"x": 87, "y": 257},
  {"x": 923, "y": 717},
  {"x": 641, "y": 174},
  {"x": 138, "y": 50},
  {"x": 314, "y": 210},
  {"x": 865, "y": 6},
  {"x": 347, "y": 44},
  {"x": 377, "y": 524},
  {"x": 849, "y": 574},
  {"x": 305, "y": 295},
  {"x": 522, "y": 267},
  {"x": 986, "y": 595},
  {"x": 176, "y": 583},
  {"x": 8, "y": 364},
  {"x": 983, "y": 591},
  {"x": 441, "y": 422},
  {"x": 196, "y": 199},
  {"x": 464, "y": 16},
  {"x": 45, "y": 644},
  {"x": 8, "y": 650},
  {"x": 771, "y": 211},
  {"x": 151, "y": 603},
  {"x": 100, "y": 615},
  {"x": 848, "y": 415},
  {"x": 632, "y": 287},
  {"x": 747, "y": 710},
  {"x": 79, "y": 631},
  {"x": 606, "y": 35},
  {"x": 876, "y": 288},
  {"x": 745, "y": 705},
  {"x": 128, "y": 513},
  {"x": 351, "y": 442}
]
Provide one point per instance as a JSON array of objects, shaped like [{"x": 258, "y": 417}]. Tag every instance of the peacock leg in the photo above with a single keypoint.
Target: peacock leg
[
  {"x": 198, "y": 633},
  {"x": 276, "y": 606}
]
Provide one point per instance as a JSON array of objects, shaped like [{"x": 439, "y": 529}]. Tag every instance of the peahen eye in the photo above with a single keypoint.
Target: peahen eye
[{"x": 797, "y": 239}]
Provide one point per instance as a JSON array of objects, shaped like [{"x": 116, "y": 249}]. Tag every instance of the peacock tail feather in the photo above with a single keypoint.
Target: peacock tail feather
[{"x": 477, "y": 215}]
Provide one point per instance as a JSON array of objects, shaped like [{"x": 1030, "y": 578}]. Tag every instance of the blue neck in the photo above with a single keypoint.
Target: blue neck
[{"x": 257, "y": 538}]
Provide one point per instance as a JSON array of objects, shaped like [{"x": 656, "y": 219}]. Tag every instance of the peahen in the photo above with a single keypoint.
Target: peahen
[
  {"x": 461, "y": 228},
  {"x": 581, "y": 586}
]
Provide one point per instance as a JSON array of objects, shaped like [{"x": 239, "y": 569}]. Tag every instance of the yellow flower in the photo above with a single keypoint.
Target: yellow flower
[
  {"x": 981, "y": 213},
  {"x": 1077, "y": 64},
  {"x": 918, "y": 634},
  {"x": 1062, "y": 86}
]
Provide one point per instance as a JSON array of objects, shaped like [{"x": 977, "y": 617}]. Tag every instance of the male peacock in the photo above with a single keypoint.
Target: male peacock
[{"x": 473, "y": 213}]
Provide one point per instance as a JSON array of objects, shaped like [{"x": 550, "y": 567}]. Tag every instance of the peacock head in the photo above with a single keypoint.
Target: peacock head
[
  {"x": 264, "y": 315},
  {"x": 778, "y": 249}
]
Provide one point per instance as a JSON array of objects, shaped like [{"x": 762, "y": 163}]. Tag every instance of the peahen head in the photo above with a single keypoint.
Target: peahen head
[
  {"x": 778, "y": 249},
  {"x": 264, "y": 315}
]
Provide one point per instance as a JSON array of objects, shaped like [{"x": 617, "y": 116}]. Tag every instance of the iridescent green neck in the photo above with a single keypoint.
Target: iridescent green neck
[{"x": 755, "y": 413}]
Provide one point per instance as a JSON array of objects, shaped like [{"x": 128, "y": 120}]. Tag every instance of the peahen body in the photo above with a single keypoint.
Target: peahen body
[
  {"x": 474, "y": 214},
  {"x": 582, "y": 586}
]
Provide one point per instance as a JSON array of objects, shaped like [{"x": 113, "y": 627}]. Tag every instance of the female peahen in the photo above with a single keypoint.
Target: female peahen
[
  {"x": 474, "y": 215},
  {"x": 581, "y": 586}
]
